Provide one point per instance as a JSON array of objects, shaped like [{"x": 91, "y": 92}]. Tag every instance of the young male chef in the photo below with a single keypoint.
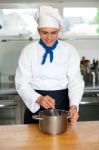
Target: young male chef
[{"x": 48, "y": 73}]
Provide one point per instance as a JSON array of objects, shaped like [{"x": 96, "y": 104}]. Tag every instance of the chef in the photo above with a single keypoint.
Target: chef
[{"x": 48, "y": 73}]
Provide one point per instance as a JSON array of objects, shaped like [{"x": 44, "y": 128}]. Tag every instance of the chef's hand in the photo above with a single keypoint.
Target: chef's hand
[
  {"x": 73, "y": 113},
  {"x": 46, "y": 101}
]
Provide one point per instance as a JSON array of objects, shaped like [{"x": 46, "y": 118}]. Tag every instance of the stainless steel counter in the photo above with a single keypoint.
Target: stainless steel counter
[
  {"x": 89, "y": 103},
  {"x": 92, "y": 88},
  {"x": 10, "y": 89},
  {"x": 7, "y": 89}
]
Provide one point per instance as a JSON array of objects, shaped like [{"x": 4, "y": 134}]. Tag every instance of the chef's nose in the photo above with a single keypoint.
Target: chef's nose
[{"x": 49, "y": 36}]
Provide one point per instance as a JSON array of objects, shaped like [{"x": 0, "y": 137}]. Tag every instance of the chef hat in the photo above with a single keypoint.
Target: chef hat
[{"x": 47, "y": 16}]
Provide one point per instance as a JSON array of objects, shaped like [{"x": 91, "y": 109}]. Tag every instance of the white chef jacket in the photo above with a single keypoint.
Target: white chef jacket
[{"x": 62, "y": 73}]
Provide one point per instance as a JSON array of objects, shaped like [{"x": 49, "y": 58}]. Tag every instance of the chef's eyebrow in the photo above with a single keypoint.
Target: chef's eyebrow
[
  {"x": 44, "y": 31},
  {"x": 53, "y": 32}
]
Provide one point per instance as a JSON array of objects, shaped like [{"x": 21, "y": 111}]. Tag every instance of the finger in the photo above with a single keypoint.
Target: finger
[
  {"x": 51, "y": 101},
  {"x": 74, "y": 118},
  {"x": 50, "y": 104},
  {"x": 43, "y": 103},
  {"x": 46, "y": 106},
  {"x": 47, "y": 102}
]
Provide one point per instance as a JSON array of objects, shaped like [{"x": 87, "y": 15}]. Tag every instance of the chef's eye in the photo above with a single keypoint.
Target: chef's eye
[
  {"x": 43, "y": 32},
  {"x": 53, "y": 33}
]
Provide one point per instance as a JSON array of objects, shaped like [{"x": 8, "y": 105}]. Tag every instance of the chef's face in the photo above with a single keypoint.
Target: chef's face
[{"x": 48, "y": 35}]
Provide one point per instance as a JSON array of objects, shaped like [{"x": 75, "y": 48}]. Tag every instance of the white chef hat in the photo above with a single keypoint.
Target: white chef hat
[{"x": 47, "y": 16}]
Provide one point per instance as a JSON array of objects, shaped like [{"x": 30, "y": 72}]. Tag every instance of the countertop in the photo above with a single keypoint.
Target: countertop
[
  {"x": 7, "y": 89},
  {"x": 91, "y": 88},
  {"x": 79, "y": 136},
  {"x": 10, "y": 88}
]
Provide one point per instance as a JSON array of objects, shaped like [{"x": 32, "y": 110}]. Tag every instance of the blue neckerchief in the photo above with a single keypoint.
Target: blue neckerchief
[{"x": 49, "y": 50}]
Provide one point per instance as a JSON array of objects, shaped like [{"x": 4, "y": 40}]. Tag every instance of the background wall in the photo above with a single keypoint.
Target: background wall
[
  {"x": 87, "y": 48},
  {"x": 9, "y": 54},
  {"x": 10, "y": 51}
]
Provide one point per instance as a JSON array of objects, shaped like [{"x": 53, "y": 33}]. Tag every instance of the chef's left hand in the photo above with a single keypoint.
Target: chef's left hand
[{"x": 73, "y": 113}]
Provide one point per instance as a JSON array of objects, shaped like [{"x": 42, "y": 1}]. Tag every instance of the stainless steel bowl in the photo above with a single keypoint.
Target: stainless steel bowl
[{"x": 52, "y": 121}]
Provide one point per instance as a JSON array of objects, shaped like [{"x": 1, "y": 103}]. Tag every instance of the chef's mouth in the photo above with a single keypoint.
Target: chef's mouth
[{"x": 49, "y": 44}]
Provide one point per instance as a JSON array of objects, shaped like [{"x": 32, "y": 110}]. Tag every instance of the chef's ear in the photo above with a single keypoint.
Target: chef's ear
[{"x": 38, "y": 30}]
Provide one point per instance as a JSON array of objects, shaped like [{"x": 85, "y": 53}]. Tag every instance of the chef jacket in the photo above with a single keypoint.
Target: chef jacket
[{"x": 62, "y": 73}]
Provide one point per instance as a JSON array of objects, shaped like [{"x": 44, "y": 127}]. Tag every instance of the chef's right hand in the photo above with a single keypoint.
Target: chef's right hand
[{"x": 46, "y": 101}]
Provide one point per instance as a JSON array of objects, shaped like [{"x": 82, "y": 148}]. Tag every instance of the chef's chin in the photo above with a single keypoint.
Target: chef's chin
[{"x": 49, "y": 44}]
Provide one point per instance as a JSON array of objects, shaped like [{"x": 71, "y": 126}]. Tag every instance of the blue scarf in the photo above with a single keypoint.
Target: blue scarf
[{"x": 49, "y": 50}]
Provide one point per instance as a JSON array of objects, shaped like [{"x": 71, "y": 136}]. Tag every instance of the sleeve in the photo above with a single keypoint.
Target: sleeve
[
  {"x": 75, "y": 79},
  {"x": 23, "y": 79}
]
